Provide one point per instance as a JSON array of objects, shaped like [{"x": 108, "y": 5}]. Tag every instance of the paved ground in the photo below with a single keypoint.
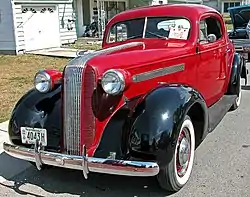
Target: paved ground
[
  {"x": 222, "y": 169},
  {"x": 59, "y": 52}
]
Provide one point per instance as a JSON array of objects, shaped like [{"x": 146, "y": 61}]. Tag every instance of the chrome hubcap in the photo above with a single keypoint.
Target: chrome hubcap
[{"x": 183, "y": 152}]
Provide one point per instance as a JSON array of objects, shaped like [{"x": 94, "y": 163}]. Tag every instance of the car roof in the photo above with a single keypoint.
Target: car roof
[{"x": 181, "y": 10}]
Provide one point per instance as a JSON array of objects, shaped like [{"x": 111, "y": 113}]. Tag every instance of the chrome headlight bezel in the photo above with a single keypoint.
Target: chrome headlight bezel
[
  {"x": 120, "y": 82},
  {"x": 43, "y": 82}
]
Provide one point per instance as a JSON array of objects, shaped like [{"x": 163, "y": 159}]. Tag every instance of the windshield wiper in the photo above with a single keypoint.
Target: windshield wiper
[{"x": 157, "y": 35}]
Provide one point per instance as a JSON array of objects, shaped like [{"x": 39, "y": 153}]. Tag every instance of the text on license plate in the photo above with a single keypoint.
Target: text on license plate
[{"x": 30, "y": 135}]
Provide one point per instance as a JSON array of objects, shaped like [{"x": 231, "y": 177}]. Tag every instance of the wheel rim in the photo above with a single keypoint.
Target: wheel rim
[{"x": 183, "y": 152}]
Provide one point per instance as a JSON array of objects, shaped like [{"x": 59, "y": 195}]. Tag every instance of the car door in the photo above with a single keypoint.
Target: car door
[{"x": 212, "y": 59}]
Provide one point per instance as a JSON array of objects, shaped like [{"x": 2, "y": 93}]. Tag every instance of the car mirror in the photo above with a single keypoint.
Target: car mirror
[{"x": 211, "y": 38}]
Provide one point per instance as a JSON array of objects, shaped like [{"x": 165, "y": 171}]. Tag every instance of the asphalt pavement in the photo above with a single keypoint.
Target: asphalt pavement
[{"x": 221, "y": 169}]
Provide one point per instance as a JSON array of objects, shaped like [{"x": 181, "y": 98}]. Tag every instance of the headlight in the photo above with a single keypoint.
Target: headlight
[
  {"x": 113, "y": 82},
  {"x": 43, "y": 82}
]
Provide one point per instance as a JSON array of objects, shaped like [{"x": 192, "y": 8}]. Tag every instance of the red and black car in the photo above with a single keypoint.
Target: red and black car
[{"x": 165, "y": 78}]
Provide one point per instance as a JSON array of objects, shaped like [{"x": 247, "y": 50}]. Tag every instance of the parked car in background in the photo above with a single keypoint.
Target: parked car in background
[
  {"x": 240, "y": 16},
  {"x": 141, "y": 105}
]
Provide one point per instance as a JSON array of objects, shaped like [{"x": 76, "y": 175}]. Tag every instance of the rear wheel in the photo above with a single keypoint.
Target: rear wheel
[{"x": 176, "y": 174}]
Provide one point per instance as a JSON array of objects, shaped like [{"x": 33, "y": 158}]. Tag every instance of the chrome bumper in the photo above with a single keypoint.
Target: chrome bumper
[{"x": 84, "y": 163}]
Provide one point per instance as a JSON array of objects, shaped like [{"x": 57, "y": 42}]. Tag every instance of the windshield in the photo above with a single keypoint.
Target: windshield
[{"x": 156, "y": 27}]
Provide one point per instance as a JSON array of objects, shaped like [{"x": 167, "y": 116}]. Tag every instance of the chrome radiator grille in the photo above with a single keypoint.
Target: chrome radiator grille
[
  {"x": 72, "y": 111},
  {"x": 80, "y": 80}
]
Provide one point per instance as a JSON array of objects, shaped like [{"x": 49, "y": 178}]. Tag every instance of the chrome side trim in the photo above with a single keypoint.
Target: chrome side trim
[
  {"x": 109, "y": 50},
  {"x": 84, "y": 163},
  {"x": 158, "y": 73}
]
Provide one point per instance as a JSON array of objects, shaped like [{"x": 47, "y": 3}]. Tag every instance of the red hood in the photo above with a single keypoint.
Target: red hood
[{"x": 140, "y": 55}]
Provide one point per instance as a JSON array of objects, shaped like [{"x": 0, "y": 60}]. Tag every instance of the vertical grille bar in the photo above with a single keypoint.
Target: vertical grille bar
[
  {"x": 88, "y": 124},
  {"x": 72, "y": 109}
]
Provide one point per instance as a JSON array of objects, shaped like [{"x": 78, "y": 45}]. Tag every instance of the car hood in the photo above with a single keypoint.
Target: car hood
[
  {"x": 240, "y": 16},
  {"x": 141, "y": 55}
]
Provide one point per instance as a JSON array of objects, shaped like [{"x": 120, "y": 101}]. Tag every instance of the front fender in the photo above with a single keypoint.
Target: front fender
[
  {"x": 158, "y": 118},
  {"x": 38, "y": 110}
]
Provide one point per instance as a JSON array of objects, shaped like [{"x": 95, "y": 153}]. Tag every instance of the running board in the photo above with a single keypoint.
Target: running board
[{"x": 219, "y": 109}]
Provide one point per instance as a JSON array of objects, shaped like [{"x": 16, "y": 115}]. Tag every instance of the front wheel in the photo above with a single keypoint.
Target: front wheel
[{"x": 176, "y": 174}]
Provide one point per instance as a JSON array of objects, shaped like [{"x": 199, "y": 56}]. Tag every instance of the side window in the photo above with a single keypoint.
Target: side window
[
  {"x": 118, "y": 33},
  {"x": 203, "y": 31},
  {"x": 129, "y": 29},
  {"x": 210, "y": 26}
]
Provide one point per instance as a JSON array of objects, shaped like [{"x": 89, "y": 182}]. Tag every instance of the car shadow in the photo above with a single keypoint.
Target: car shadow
[
  {"x": 245, "y": 87},
  {"x": 64, "y": 181}
]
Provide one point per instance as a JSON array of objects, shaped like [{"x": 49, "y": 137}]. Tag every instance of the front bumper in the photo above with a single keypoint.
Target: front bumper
[{"x": 84, "y": 163}]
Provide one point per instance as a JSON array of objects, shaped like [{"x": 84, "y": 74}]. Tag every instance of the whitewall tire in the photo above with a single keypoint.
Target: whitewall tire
[
  {"x": 177, "y": 173},
  {"x": 237, "y": 101}
]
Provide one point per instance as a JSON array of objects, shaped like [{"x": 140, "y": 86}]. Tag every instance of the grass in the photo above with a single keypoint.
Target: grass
[
  {"x": 84, "y": 45},
  {"x": 16, "y": 77},
  {"x": 17, "y": 74}
]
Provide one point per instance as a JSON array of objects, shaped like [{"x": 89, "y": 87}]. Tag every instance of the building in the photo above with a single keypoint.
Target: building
[
  {"x": 89, "y": 10},
  {"x": 27, "y": 25}
]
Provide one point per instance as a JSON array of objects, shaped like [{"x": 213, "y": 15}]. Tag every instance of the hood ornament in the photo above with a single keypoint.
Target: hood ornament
[{"x": 83, "y": 52}]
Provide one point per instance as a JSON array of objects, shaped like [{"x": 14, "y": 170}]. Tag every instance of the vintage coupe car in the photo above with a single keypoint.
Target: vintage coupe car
[
  {"x": 240, "y": 15},
  {"x": 165, "y": 78}
]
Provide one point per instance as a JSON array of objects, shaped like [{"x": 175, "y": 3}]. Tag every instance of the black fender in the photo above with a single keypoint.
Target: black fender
[
  {"x": 158, "y": 118},
  {"x": 40, "y": 110},
  {"x": 238, "y": 71}
]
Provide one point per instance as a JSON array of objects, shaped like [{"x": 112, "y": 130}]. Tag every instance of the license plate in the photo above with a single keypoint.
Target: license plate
[{"x": 30, "y": 135}]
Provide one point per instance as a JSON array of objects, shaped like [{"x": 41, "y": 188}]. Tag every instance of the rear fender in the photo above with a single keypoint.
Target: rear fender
[{"x": 238, "y": 71}]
